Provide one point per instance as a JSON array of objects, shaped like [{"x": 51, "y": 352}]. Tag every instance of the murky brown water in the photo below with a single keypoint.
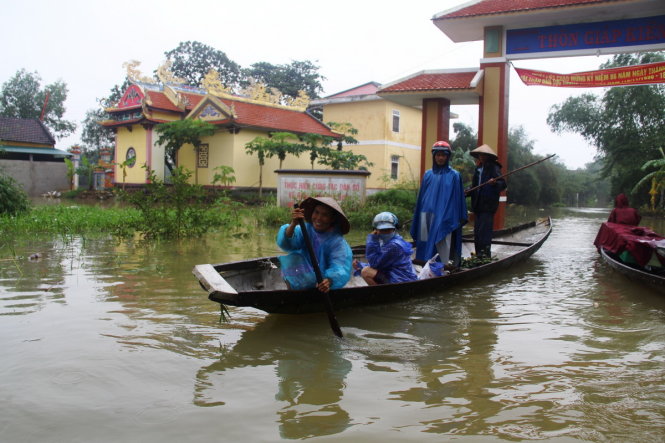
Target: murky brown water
[{"x": 106, "y": 341}]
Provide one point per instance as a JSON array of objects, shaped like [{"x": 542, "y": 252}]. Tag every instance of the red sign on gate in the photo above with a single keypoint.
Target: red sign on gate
[{"x": 622, "y": 76}]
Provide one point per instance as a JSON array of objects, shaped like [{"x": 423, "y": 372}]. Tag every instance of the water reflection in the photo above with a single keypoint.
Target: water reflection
[
  {"x": 110, "y": 333},
  {"x": 309, "y": 367}
]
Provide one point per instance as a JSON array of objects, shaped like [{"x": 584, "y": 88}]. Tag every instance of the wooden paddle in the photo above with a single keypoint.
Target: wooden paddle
[{"x": 334, "y": 325}]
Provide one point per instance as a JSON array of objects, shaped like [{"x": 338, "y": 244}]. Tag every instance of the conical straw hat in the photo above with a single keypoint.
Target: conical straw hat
[
  {"x": 310, "y": 203},
  {"x": 484, "y": 149}
]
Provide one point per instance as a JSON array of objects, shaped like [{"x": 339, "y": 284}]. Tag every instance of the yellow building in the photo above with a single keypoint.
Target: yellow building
[
  {"x": 239, "y": 120},
  {"x": 390, "y": 121},
  {"x": 388, "y": 133}
]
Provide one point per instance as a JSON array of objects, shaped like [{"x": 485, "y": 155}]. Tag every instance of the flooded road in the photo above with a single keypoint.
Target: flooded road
[{"x": 115, "y": 341}]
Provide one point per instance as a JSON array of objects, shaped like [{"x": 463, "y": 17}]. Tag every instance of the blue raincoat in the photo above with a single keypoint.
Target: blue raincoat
[
  {"x": 392, "y": 259},
  {"x": 332, "y": 252},
  {"x": 440, "y": 210}
]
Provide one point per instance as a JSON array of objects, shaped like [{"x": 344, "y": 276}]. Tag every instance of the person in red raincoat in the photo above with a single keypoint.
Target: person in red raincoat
[{"x": 623, "y": 213}]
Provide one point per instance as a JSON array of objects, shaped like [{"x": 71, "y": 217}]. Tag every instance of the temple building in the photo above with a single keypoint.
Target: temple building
[{"x": 238, "y": 119}]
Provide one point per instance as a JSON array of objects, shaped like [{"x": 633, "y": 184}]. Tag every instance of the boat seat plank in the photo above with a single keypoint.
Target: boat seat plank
[{"x": 211, "y": 280}]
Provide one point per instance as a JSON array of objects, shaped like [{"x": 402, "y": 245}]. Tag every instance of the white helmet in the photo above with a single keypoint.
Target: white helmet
[{"x": 385, "y": 220}]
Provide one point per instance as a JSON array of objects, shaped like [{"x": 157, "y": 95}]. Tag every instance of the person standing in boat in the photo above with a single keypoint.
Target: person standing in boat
[
  {"x": 326, "y": 224},
  {"x": 388, "y": 254},
  {"x": 623, "y": 213},
  {"x": 485, "y": 200},
  {"x": 440, "y": 210}
]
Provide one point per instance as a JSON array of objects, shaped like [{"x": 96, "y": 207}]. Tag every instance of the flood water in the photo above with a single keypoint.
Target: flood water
[{"x": 106, "y": 341}]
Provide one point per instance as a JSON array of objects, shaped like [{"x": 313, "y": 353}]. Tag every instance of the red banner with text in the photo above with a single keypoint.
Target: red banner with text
[{"x": 622, "y": 76}]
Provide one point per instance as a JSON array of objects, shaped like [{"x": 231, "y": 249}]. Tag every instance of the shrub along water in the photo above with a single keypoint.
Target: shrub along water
[
  {"x": 60, "y": 219},
  {"x": 177, "y": 210},
  {"x": 399, "y": 201},
  {"x": 162, "y": 211},
  {"x": 13, "y": 200}
]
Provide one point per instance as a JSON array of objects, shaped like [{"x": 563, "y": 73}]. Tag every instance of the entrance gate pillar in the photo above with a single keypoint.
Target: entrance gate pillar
[
  {"x": 436, "y": 126},
  {"x": 493, "y": 109}
]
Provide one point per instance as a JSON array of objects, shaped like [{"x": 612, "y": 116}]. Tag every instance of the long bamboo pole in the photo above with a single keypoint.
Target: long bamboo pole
[{"x": 468, "y": 191}]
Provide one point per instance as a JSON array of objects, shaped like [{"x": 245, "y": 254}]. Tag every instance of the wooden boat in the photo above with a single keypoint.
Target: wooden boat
[
  {"x": 651, "y": 278},
  {"x": 258, "y": 283},
  {"x": 635, "y": 251}
]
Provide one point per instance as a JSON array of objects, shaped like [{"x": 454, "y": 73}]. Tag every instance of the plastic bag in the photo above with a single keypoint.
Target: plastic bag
[{"x": 431, "y": 269}]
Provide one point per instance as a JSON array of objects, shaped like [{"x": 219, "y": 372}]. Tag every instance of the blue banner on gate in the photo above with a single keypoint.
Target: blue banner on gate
[{"x": 610, "y": 34}]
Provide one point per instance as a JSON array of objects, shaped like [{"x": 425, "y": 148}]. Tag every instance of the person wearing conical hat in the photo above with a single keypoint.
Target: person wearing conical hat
[
  {"x": 326, "y": 225},
  {"x": 440, "y": 210},
  {"x": 485, "y": 200}
]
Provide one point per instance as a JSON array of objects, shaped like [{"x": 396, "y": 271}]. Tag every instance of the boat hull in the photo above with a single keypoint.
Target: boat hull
[
  {"x": 257, "y": 283},
  {"x": 655, "y": 281}
]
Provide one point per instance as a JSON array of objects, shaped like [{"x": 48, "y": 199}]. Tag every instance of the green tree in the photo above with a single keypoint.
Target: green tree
[
  {"x": 288, "y": 79},
  {"x": 523, "y": 187},
  {"x": 71, "y": 171},
  {"x": 465, "y": 141},
  {"x": 656, "y": 177},
  {"x": 192, "y": 60},
  {"x": 625, "y": 124},
  {"x": 279, "y": 146},
  {"x": 95, "y": 136},
  {"x": 311, "y": 143},
  {"x": 174, "y": 135},
  {"x": 259, "y": 146},
  {"x": 23, "y": 97},
  {"x": 224, "y": 175},
  {"x": 13, "y": 199},
  {"x": 276, "y": 146},
  {"x": 344, "y": 160},
  {"x": 86, "y": 168}
]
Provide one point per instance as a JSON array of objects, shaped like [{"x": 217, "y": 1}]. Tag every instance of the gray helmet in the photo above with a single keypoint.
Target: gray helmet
[{"x": 385, "y": 220}]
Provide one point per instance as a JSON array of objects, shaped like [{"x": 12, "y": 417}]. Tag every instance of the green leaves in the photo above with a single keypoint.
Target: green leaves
[
  {"x": 174, "y": 135},
  {"x": 13, "y": 199},
  {"x": 624, "y": 123},
  {"x": 192, "y": 60},
  {"x": 23, "y": 97}
]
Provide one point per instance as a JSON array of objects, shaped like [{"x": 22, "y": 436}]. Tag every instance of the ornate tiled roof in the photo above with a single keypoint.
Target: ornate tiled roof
[
  {"x": 159, "y": 100},
  {"x": 25, "y": 130},
  {"x": 276, "y": 118},
  {"x": 248, "y": 113}
]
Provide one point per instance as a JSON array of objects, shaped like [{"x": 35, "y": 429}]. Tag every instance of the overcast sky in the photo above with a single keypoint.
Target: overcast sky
[{"x": 85, "y": 43}]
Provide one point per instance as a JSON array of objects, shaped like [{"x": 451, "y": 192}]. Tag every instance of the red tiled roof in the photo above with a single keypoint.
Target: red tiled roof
[
  {"x": 159, "y": 100},
  {"x": 193, "y": 100},
  {"x": 246, "y": 114},
  {"x": 268, "y": 117},
  {"x": 25, "y": 130},
  {"x": 433, "y": 82},
  {"x": 489, "y": 7},
  {"x": 366, "y": 89}
]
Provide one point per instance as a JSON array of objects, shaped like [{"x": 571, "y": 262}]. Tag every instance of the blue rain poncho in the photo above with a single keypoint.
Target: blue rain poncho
[
  {"x": 332, "y": 252},
  {"x": 392, "y": 258},
  {"x": 440, "y": 210}
]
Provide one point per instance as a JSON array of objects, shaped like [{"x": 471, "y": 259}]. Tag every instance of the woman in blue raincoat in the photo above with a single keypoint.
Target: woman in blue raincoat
[
  {"x": 326, "y": 224},
  {"x": 388, "y": 254},
  {"x": 440, "y": 210}
]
